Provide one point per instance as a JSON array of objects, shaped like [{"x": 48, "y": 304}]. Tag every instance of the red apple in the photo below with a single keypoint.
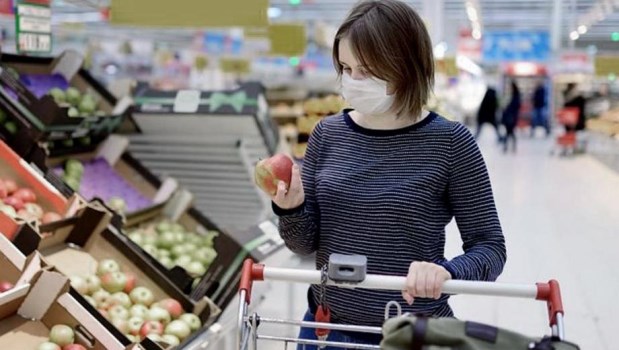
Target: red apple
[
  {"x": 50, "y": 216},
  {"x": 5, "y": 285},
  {"x": 15, "y": 202},
  {"x": 114, "y": 281},
  {"x": 25, "y": 194},
  {"x": 11, "y": 186},
  {"x": 131, "y": 280},
  {"x": 172, "y": 306},
  {"x": 73, "y": 347},
  {"x": 269, "y": 172},
  {"x": 151, "y": 327}
]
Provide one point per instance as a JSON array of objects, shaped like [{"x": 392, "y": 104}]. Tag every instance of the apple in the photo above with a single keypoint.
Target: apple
[
  {"x": 150, "y": 240},
  {"x": 205, "y": 255},
  {"x": 114, "y": 281},
  {"x": 134, "y": 325},
  {"x": 136, "y": 237},
  {"x": 107, "y": 265},
  {"x": 74, "y": 166},
  {"x": 50, "y": 216},
  {"x": 34, "y": 210},
  {"x": 139, "y": 310},
  {"x": 62, "y": 335},
  {"x": 150, "y": 249},
  {"x": 179, "y": 251},
  {"x": 118, "y": 311},
  {"x": 167, "y": 262},
  {"x": 3, "y": 191},
  {"x": 170, "y": 339},
  {"x": 269, "y": 172},
  {"x": 172, "y": 306},
  {"x": 90, "y": 300},
  {"x": 131, "y": 280},
  {"x": 11, "y": 186},
  {"x": 178, "y": 329},
  {"x": 183, "y": 261},
  {"x": 48, "y": 346},
  {"x": 142, "y": 295},
  {"x": 157, "y": 313},
  {"x": 5, "y": 285},
  {"x": 154, "y": 337},
  {"x": 163, "y": 226},
  {"x": 120, "y": 323},
  {"x": 26, "y": 195},
  {"x": 166, "y": 240},
  {"x": 122, "y": 299},
  {"x": 79, "y": 284},
  {"x": 8, "y": 210},
  {"x": 73, "y": 347},
  {"x": 103, "y": 298},
  {"x": 94, "y": 283},
  {"x": 163, "y": 253},
  {"x": 192, "y": 321},
  {"x": 15, "y": 202},
  {"x": 151, "y": 327},
  {"x": 103, "y": 313},
  {"x": 195, "y": 269}
]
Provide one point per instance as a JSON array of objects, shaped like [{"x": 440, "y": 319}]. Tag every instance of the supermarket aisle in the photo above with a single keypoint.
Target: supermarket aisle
[{"x": 560, "y": 221}]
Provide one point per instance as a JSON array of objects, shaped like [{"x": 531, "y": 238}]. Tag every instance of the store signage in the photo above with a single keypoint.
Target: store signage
[
  {"x": 574, "y": 62},
  {"x": 516, "y": 46},
  {"x": 33, "y": 23}
]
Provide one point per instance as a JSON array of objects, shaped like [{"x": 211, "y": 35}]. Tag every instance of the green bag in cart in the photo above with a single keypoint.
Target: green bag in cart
[{"x": 411, "y": 333}]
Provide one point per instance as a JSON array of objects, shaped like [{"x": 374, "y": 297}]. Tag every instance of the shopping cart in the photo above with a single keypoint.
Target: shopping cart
[
  {"x": 568, "y": 117},
  {"x": 248, "y": 324}
]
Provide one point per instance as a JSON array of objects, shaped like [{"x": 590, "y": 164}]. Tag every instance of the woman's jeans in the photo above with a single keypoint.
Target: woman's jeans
[{"x": 334, "y": 336}]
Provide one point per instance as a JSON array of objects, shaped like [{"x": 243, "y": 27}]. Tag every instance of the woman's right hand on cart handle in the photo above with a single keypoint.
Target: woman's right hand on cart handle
[{"x": 292, "y": 197}]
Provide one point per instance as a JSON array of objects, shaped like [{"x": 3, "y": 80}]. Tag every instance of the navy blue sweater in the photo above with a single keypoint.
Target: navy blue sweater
[{"x": 388, "y": 195}]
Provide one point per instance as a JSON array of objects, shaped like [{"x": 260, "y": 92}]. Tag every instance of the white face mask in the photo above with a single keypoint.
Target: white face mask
[{"x": 368, "y": 96}]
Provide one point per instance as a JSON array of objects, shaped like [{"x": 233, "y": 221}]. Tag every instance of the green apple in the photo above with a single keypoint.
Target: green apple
[
  {"x": 134, "y": 324},
  {"x": 137, "y": 238},
  {"x": 157, "y": 313},
  {"x": 178, "y": 329},
  {"x": 114, "y": 281},
  {"x": 48, "y": 346},
  {"x": 90, "y": 300},
  {"x": 195, "y": 269},
  {"x": 150, "y": 249},
  {"x": 163, "y": 226},
  {"x": 79, "y": 284},
  {"x": 94, "y": 283},
  {"x": 154, "y": 337},
  {"x": 139, "y": 311},
  {"x": 192, "y": 321},
  {"x": 107, "y": 265},
  {"x": 183, "y": 261},
  {"x": 74, "y": 167},
  {"x": 150, "y": 240},
  {"x": 166, "y": 240},
  {"x": 62, "y": 335},
  {"x": 205, "y": 255},
  {"x": 170, "y": 339},
  {"x": 103, "y": 298},
  {"x": 122, "y": 299},
  {"x": 118, "y": 311},
  {"x": 179, "y": 251},
  {"x": 189, "y": 248},
  {"x": 167, "y": 262},
  {"x": 142, "y": 295},
  {"x": 121, "y": 324},
  {"x": 163, "y": 253}
]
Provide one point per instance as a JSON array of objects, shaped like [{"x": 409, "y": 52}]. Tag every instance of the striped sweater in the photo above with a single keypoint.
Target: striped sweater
[{"x": 388, "y": 195}]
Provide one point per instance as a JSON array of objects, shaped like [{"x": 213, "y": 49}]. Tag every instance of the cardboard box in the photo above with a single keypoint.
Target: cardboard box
[
  {"x": 39, "y": 111},
  {"x": 27, "y": 314},
  {"x": 143, "y": 189}
]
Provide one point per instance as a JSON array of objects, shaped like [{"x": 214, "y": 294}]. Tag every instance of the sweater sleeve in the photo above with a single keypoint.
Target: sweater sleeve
[
  {"x": 299, "y": 227},
  {"x": 472, "y": 203}
]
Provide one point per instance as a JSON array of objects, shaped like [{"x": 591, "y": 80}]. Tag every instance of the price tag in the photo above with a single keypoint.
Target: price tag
[
  {"x": 187, "y": 101},
  {"x": 33, "y": 20}
]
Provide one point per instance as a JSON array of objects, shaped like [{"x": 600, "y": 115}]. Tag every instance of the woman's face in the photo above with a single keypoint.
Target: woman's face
[{"x": 350, "y": 65}]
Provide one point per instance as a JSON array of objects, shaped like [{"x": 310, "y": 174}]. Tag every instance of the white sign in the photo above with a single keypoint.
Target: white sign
[{"x": 187, "y": 101}]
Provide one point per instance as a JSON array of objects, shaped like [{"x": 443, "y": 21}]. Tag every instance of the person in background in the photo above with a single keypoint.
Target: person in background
[
  {"x": 383, "y": 180},
  {"x": 510, "y": 117},
  {"x": 573, "y": 98},
  {"x": 487, "y": 112},
  {"x": 540, "y": 116}
]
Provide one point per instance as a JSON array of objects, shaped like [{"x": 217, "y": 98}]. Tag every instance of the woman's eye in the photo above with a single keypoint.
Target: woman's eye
[{"x": 347, "y": 70}]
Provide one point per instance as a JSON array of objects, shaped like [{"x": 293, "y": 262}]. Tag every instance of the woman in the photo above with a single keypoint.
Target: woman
[
  {"x": 487, "y": 112},
  {"x": 511, "y": 114},
  {"x": 383, "y": 180}
]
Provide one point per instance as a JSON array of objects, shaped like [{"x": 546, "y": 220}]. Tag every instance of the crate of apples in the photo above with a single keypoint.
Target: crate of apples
[
  {"x": 132, "y": 308},
  {"x": 21, "y": 203}
]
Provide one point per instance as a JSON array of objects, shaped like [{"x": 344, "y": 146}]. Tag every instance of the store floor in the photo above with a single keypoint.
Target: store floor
[{"x": 561, "y": 220}]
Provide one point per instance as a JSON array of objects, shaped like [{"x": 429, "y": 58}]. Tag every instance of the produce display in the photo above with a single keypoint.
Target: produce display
[
  {"x": 172, "y": 245},
  {"x": 269, "y": 172},
  {"x": 314, "y": 110},
  {"x": 97, "y": 179},
  {"x": 21, "y": 203},
  {"x": 61, "y": 337},
  {"x": 132, "y": 308}
]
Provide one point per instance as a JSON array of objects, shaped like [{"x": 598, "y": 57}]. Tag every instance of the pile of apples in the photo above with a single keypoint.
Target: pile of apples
[
  {"x": 61, "y": 337},
  {"x": 21, "y": 203},
  {"x": 132, "y": 309},
  {"x": 172, "y": 245}
]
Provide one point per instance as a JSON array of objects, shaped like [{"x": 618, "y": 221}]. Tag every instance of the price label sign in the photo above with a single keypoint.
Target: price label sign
[{"x": 33, "y": 24}]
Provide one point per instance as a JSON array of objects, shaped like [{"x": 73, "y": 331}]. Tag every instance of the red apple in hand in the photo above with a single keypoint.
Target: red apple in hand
[
  {"x": 269, "y": 172},
  {"x": 172, "y": 306},
  {"x": 5, "y": 285},
  {"x": 151, "y": 327}
]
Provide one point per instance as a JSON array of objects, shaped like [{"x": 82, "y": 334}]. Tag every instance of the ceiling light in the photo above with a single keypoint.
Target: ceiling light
[
  {"x": 439, "y": 50},
  {"x": 274, "y": 12},
  {"x": 574, "y": 35},
  {"x": 476, "y": 34},
  {"x": 472, "y": 13},
  {"x": 582, "y": 29}
]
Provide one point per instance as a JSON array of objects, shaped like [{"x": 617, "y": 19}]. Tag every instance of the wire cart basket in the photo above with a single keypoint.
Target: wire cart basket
[{"x": 248, "y": 325}]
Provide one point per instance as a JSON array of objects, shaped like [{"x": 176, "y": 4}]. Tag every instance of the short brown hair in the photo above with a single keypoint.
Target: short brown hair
[{"x": 391, "y": 41}]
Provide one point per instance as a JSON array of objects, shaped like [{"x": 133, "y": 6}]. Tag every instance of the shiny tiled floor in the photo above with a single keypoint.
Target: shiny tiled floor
[{"x": 561, "y": 220}]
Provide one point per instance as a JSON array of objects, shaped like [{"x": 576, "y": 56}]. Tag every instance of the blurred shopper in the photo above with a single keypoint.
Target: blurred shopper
[
  {"x": 540, "y": 109},
  {"x": 383, "y": 180},
  {"x": 510, "y": 117},
  {"x": 573, "y": 98},
  {"x": 487, "y": 113}
]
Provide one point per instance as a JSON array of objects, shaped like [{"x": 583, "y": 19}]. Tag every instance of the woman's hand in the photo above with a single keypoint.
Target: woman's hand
[
  {"x": 294, "y": 196},
  {"x": 424, "y": 280}
]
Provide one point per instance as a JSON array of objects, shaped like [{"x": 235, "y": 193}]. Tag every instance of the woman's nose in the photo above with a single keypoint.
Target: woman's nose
[{"x": 356, "y": 75}]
